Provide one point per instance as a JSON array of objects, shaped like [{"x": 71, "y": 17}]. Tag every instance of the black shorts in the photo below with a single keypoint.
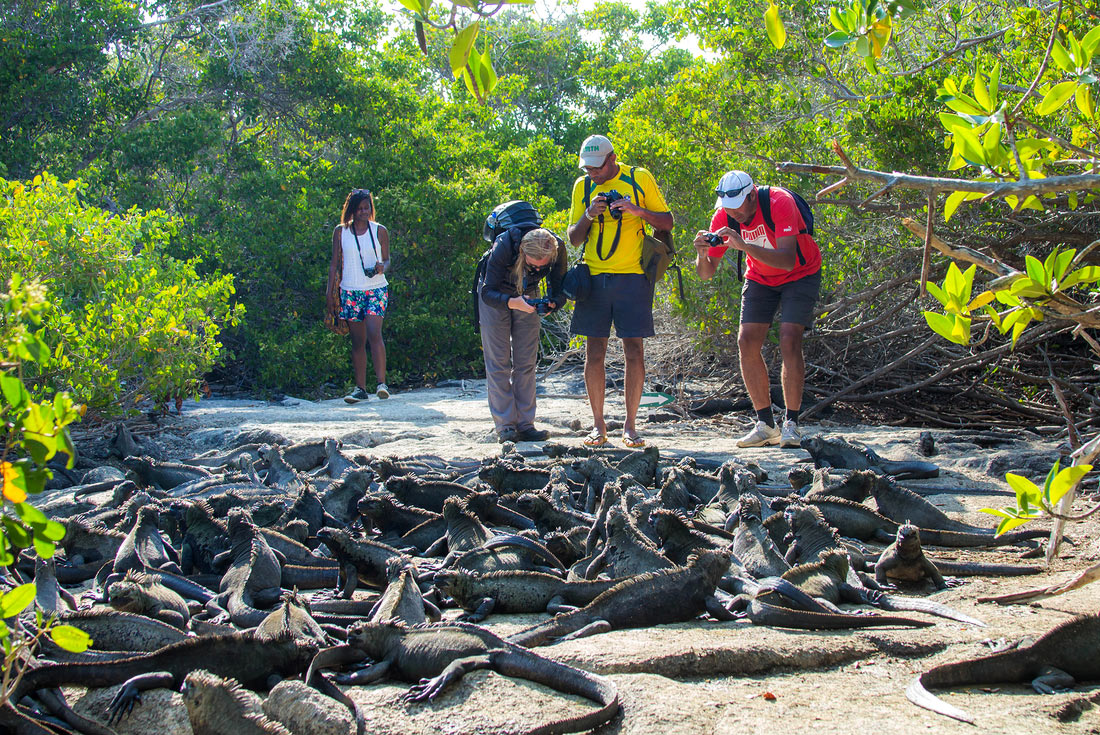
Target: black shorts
[
  {"x": 795, "y": 301},
  {"x": 622, "y": 299}
]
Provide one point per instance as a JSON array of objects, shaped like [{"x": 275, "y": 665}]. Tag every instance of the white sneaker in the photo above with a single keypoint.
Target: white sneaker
[
  {"x": 383, "y": 391},
  {"x": 790, "y": 436},
  {"x": 760, "y": 436}
]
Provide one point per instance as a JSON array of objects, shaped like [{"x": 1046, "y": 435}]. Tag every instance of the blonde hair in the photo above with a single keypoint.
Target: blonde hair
[{"x": 538, "y": 243}]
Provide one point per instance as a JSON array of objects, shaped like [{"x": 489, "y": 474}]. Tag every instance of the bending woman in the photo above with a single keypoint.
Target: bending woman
[
  {"x": 510, "y": 325},
  {"x": 360, "y": 258}
]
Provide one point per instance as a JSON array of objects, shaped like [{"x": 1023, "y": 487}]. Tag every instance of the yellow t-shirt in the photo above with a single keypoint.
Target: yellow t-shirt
[{"x": 627, "y": 256}]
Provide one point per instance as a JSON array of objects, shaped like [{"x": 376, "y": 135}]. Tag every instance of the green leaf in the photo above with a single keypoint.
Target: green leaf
[
  {"x": 460, "y": 48},
  {"x": 43, "y": 547},
  {"x": 1084, "y": 101},
  {"x": 1061, "y": 264},
  {"x": 1056, "y": 97},
  {"x": 1024, "y": 487},
  {"x": 1061, "y": 56},
  {"x": 16, "y": 600},
  {"x": 70, "y": 638},
  {"x": 954, "y": 199},
  {"x": 1010, "y": 523},
  {"x": 15, "y": 395},
  {"x": 16, "y": 533},
  {"x": 960, "y": 332},
  {"x": 1091, "y": 42},
  {"x": 838, "y": 39},
  {"x": 937, "y": 292},
  {"x": 968, "y": 146},
  {"x": 941, "y": 324},
  {"x": 1036, "y": 272},
  {"x": 1065, "y": 480},
  {"x": 777, "y": 34}
]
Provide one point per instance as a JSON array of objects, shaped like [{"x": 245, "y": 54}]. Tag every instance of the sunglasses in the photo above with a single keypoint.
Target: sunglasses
[
  {"x": 731, "y": 192},
  {"x": 360, "y": 192}
]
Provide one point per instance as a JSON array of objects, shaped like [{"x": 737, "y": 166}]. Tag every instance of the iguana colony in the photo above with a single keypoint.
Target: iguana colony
[{"x": 232, "y": 569}]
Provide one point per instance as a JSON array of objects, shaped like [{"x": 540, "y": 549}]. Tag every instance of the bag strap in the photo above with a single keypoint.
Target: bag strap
[{"x": 334, "y": 284}]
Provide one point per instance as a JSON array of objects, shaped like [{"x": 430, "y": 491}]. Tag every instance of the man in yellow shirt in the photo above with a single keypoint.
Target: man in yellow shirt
[{"x": 611, "y": 205}]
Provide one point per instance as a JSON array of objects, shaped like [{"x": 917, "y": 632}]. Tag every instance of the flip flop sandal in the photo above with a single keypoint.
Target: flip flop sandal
[
  {"x": 632, "y": 440},
  {"x": 595, "y": 439}
]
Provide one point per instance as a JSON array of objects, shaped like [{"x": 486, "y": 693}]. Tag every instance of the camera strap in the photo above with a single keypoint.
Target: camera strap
[
  {"x": 599, "y": 221},
  {"x": 374, "y": 245}
]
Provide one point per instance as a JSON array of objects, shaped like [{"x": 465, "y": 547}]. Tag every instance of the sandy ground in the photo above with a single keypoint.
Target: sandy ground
[{"x": 705, "y": 677}]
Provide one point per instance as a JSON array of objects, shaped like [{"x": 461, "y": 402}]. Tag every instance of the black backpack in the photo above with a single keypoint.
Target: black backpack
[
  {"x": 504, "y": 217},
  {"x": 516, "y": 213},
  {"x": 764, "y": 201}
]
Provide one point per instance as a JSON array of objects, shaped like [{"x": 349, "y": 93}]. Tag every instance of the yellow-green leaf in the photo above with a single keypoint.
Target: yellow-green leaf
[
  {"x": 954, "y": 199},
  {"x": 1056, "y": 97},
  {"x": 777, "y": 34},
  {"x": 1083, "y": 98},
  {"x": 1065, "y": 480},
  {"x": 980, "y": 300},
  {"x": 16, "y": 600},
  {"x": 70, "y": 638},
  {"x": 1024, "y": 487},
  {"x": 460, "y": 49}
]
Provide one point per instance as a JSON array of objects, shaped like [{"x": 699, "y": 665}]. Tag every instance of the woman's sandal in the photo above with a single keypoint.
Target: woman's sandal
[
  {"x": 631, "y": 440},
  {"x": 595, "y": 438}
]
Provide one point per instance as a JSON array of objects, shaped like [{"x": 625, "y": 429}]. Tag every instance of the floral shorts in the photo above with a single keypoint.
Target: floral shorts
[{"x": 356, "y": 306}]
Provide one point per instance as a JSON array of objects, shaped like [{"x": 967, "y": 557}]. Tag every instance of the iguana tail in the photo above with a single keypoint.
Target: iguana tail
[
  {"x": 895, "y": 602},
  {"x": 567, "y": 679},
  {"x": 762, "y": 613}
]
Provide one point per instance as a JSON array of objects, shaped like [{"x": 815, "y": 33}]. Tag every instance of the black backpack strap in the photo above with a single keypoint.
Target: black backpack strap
[
  {"x": 634, "y": 185},
  {"x": 587, "y": 191},
  {"x": 599, "y": 221},
  {"x": 735, "y": 225}
]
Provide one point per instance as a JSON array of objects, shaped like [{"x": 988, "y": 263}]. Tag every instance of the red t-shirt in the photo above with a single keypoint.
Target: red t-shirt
[{"x": 788, "y": 221}]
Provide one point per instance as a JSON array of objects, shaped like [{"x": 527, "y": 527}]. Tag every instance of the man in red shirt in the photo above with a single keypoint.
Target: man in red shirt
[{"x": 784, "y": 273}]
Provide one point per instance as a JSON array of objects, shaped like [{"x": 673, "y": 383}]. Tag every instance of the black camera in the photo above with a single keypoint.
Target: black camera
[
  {"x": 713, "y": 240},
  {"x": 542, "y": 306},
  {"x": 613, "y": 196}
]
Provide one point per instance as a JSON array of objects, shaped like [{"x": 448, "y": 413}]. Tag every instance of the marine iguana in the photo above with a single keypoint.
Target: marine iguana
[
  {"x": 655, "y": 598},
  {"x": 829, "y": 580},
  {"x": 842, "y": 454},
  {"x": 778, "y": 603},
  {"x": 165, "y": 475},
  {"x": 465, "y": 531},
  {"x": 361, "y": 560},
  {"x": 144, "y": 549},
  {"x": 291, "y": 618},
  {"x": 145, "y": 595},
  {"x": 402, "y": 599},
  {"x": 1071, "y": 648},
  {"x": 241, "y": 656},
  {"x": 437, "y": 656},
  {"x": 550, "y": 517},
  {"x": 904, "y": 560},
  {"x": 426, "y": 494},
  {"x": 679, "y": 539},
  {"x": 506, "y": 477},
  {"x": 855, "y": 520},
  {"x": 627, "y": 551},
  {"x": 393, "y": 518},
  {"x": 253, "y": 579},
  {"x": 905, "y": 506},
  {"x": 217, "y": 706},
  {"x": 752, "y": 546},
  {"x": 516, "y": 592}
]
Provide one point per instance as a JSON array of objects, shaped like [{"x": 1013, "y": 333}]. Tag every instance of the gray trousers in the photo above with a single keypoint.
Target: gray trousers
[{"x": 510, "y": 341}]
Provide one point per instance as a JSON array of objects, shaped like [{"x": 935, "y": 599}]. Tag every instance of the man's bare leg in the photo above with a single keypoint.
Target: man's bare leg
[
  {"x": 793, "y": 375},
  {"x": 634, "y": 350},
  {"x": 754, "y": 371},
  {"x": 595, "y": 379}
]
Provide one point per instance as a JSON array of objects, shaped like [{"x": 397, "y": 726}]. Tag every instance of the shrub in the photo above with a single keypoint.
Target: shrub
[{"x": 127, "y": 321}]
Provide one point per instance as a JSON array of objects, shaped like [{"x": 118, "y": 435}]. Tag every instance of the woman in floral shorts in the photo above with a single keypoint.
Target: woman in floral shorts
[{"x": 363, "y": 247}]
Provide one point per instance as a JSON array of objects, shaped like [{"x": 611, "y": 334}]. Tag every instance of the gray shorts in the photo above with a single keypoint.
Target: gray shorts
[
  {"x": 795, "y": 301},
  {"x": 622, "y": 299}
]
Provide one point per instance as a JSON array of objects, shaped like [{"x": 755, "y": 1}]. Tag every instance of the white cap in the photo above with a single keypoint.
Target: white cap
[
  {"x": 594, "y": 151},
  {"x": 732, "y": 189}
]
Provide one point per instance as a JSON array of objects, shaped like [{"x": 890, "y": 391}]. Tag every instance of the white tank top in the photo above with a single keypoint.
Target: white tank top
[{"x": 360, "y": 259}]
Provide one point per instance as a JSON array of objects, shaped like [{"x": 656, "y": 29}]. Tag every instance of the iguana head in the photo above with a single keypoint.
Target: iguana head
[
  {"x": 908, "y": 536},
  {"x": 530, "y": 503},
  {"x": 813, "y": 444},
  {"x": 713, "y": 562},
  {"x": 835, "y": 561},
  {"x": 376, "y": 638}
]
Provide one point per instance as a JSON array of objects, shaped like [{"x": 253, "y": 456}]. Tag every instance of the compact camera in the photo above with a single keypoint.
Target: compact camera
[
  {"x": 713, "y": 239},
  {"x": 613, "y": 196},
  {"x": 542, "y": 306}
]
